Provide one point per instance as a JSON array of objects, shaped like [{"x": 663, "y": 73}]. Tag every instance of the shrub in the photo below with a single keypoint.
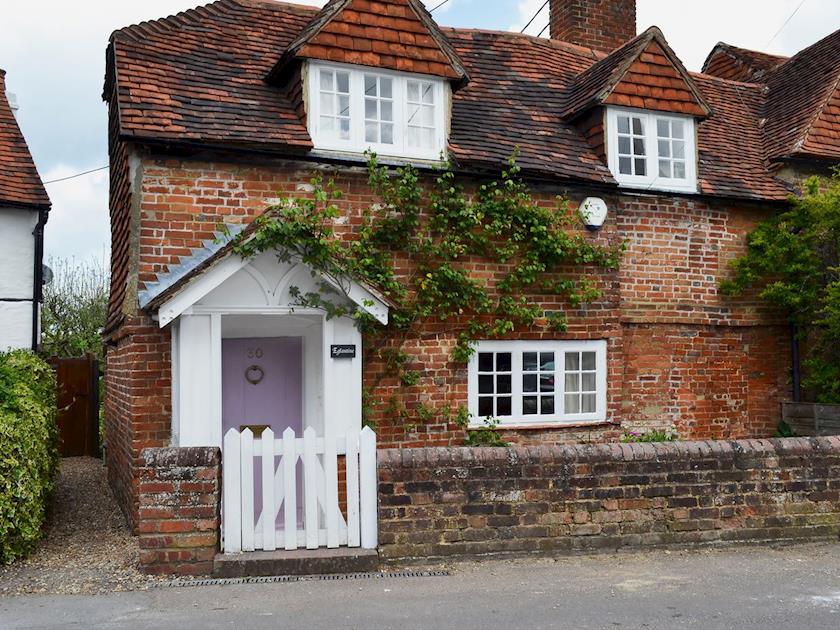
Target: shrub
[
  {"x": 650, "y": 436},
  {"x": 28, "y": 450}
]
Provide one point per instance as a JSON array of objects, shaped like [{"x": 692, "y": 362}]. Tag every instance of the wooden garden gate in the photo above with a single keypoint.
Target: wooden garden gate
[{"x": 78, "y": 405}]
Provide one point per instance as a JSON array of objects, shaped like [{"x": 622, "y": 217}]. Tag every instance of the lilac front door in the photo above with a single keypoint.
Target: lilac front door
[{"x": 262, "y": 385}]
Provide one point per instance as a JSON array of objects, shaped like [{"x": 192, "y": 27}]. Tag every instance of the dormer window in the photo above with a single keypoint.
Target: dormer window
[
  {"x": 355, "y": 109},
  {"x": 651, "y": 150}
]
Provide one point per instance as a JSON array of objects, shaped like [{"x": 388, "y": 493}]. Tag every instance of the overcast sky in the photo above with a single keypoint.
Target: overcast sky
[{"x": 53, "y": 51}]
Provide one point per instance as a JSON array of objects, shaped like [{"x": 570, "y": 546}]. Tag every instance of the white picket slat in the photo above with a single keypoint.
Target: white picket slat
[
  {"x": 246, "y": 447},
  {"x": 269, "y": 512},
  {"x": 232, "y": 487},
  {"x": 310, "y": 488},
  {"x": 323, "y": 523},
  {"x": 331, "y": 508},
  {"x": 352, "y": 469},
  {"x": 368, "y": 488},
  {"x": 290, "y": 458}
]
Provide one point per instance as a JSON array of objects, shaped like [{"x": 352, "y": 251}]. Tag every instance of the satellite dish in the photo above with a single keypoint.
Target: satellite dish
[{"x": 47, "y": 274}]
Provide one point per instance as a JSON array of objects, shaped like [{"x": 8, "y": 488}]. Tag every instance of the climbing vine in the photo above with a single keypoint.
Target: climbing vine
[{"x": 419, "y": 247}]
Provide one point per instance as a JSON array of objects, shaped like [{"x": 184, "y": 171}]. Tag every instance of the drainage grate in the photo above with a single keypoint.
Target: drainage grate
[{"x": 304, "y": 578}]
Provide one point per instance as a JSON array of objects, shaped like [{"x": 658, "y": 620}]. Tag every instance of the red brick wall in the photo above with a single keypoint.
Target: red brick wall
[
  {"x": 600, "y": 24},
  {"x": 445, "y": 502},
  {"x": 718, "y": 369},
  {"x": 180, "y": 500}
]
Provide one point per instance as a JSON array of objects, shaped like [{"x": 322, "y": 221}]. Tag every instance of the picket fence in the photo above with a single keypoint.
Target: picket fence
[{"x": 250, "y": 517}]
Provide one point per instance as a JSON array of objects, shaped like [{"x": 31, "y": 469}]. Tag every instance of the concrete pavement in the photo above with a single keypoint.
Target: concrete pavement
[{"x": 743, "y": 588}]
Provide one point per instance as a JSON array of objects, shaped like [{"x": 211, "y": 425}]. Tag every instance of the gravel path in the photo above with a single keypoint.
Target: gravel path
[{"x": 87, "y": 546}]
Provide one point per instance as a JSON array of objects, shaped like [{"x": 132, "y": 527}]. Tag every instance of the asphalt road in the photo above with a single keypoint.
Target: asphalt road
[{"x": 746, "y": 588}]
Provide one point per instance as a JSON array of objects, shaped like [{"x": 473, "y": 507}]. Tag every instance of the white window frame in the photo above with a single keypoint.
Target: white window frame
[
  {"x": 652, "y": 181},
  {"x": 357, "y": 144},
  {"x": 517, "y": 348}
]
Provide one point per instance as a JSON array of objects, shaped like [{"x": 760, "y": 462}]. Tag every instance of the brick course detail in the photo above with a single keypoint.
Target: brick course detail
[
  {"x": 459, "y": 501},
  {"x": 179, "y": 511}
]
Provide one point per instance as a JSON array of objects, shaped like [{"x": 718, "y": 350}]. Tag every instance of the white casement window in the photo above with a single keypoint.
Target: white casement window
[
  {"x": 651, "y": 150},
  {"x": 538, "y": 382},
  {"x": 354, "y": 109}
]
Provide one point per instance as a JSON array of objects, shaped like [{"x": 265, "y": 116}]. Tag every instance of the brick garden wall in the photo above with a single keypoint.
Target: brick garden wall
[
  {"x": 179, "y": 494},
  {"x": 443, "y": 502}
]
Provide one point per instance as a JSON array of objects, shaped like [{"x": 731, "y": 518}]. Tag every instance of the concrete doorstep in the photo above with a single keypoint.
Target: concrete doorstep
[{"x": 300, "y": 562}]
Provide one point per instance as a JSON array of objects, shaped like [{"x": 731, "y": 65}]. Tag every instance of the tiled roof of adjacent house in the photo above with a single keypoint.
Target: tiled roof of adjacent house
[
  {"x": 20, "y": 184},
  {"x": 199, "y": 78}
]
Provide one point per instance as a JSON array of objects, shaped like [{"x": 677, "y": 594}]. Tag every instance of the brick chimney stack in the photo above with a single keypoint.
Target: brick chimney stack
[{"x": 600, "y": 24}]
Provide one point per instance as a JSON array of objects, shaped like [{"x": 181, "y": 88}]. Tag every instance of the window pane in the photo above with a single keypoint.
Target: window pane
[
  {"x": 529, "y": 383},
  {"x": 664, "y": 148},
  {"x": 572, "y": 403},
  {"x": 588, "y": 382},
  {"x": 529, "y": 405},
  {"x": 679, "y": 149},
  {"x": 503, "y": 362},
  {"x": 413, "y": 137},
  {"x": 371, "y": 109},
  {"x": 485, "y": 384},
  {"x": 385, "y": 90},
  {"x": 386, "y": 111},
  {"x": 677, "y": 129},
  {"x": 427, "y": 138},
  {"x": 371, "y": 132},
  {"x": 428, "y": 93},
  {"x": 326, "y": 80},
  {"x": 679, "y": 170},
  {"x": 370, "y": 85},
  {"x": 641, "y": 167},
  {"x": 344, "y": 105},
  {"x": 546, "y": 382},
  {"x": 343, "y": 82},
  {"x": 529, "y": 361},
  {"x": 624, "y": 145},
  {"x": 485, "y": 361},
  {"x": 387, "y": 133},
  {"x": 345, "y": 128},
  {"x": 327, "y": 125},
  {"x": 662, "y": 128},
  {"x": 485, "y": 406},
  {"x": 546, "y": 361},
  {"x": 588, "y": 403},
  {"x": 503, "y": 384},
  {"x": 624, "y": 166},
  {"x": 547, "y": 405},
  {"x": 327, "y": 104},
  {"x": 664, "y": 168},
  {"x": 413, "y": 91},
  {"x": 503, "y": 406},
  {"x": 572, "y": 382},
  {"x": 572, "y": 360},
  {"x": 638, "y": 127},
  {"x": 623, "y": 124},
  {"x": 638, "y": 146},
  {"x": 588, "y": 360}
]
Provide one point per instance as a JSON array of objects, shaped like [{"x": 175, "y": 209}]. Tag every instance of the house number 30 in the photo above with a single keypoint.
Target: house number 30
[{"x": 255, "y": 353}]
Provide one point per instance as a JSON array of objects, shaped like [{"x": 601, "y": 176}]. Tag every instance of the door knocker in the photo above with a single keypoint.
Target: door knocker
[{"x": 254, "y": 374}]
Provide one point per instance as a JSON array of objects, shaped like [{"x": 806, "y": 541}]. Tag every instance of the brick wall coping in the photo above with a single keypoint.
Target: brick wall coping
[
  {"x": 181, "y": 457},
  {"x": 442, "y": 456}
]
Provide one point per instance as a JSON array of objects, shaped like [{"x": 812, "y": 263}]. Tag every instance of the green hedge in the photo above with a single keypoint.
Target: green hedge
[{"x": 28, "y": 450}]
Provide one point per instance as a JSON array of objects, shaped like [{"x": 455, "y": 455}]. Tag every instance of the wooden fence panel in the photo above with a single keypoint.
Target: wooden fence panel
[
  {"x": 78, "y": 405},
  {"x": 809, "y": 419}
]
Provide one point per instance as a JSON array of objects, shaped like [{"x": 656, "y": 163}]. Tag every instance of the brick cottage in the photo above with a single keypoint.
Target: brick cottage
[{"x": 218, "y": 112}]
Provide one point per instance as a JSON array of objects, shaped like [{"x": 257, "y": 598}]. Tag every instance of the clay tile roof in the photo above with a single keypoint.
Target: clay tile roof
[
  {"x": 20, "y": 184},
  {"x": 803, "y": 103},
  {"x": 739, "y": 64},
  {"x": 393, "y": 34},
  {"x": 198, "y": 79},
  {"x": 643, "y": 73}
]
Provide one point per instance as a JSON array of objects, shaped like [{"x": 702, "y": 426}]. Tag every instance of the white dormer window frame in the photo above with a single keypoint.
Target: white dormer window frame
[
  {"x": 652, "y": 150},
  {"x": 353, "y": 109}
]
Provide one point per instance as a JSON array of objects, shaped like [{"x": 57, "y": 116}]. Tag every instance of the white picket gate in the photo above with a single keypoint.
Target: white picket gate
[{"x": 323, "y": 523}]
